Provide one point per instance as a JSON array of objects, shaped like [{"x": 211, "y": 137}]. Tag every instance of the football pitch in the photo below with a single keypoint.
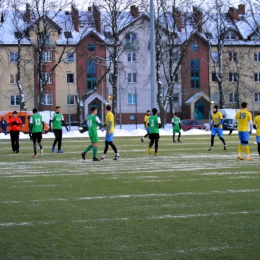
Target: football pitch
[{"x": 187, "y": 203}]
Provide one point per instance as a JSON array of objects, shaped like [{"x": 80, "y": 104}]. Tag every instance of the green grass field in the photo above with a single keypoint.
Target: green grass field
[{"x": 187, "y": 203}]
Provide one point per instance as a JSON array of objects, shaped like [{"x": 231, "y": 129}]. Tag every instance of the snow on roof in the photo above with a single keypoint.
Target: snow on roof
[{"x": 194, "y": 97}]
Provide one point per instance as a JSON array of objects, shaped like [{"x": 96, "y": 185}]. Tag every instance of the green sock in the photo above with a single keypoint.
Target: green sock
[
  {"x": 95, "y": 151},
  {"x": 88, "y": 148}
]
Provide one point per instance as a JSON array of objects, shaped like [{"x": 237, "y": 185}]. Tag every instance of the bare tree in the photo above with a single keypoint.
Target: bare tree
[{"x": 115, "y": 18}]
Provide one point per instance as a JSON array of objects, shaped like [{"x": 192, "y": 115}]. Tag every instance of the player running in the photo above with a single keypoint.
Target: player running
[
  {"x": 93, "y": 122},
  {"x": 36, "y": 130},
  {"x": 154, "y": 125},
  {"x": 216, "y": 127},
  {"x": 176, "y": 127}
]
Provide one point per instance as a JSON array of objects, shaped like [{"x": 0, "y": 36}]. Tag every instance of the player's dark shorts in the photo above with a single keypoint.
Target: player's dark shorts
[
  {"x": 37, "y": 136},
  {"x": 154, "y": 137}
]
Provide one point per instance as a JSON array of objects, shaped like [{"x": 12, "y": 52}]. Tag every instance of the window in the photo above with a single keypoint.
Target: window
[
  {"x": 175, "y": 56},
  {"x": 130, "y": 37},
  {"x": 13, "y": 56},
  {"x": 257, "y": 56},
  {"x": 131, "y": 99},
  {"x": 44, "y": 37},
  {"x": 68, "y": 34},
  {"x": 15, "y": 100},
  {"x": 70, "y": 78},
  {"x": 208, "y": 35},
  {"x": 194, "y": 46},
  {"x": 131, "y": 78},
  {"x": 176, "y": 78},
  {"x": 47, "y": 99},
  {"x": 257, "y": 97},
  {"x": 91, "y": 74},
  {"x": 13, "y": 79},
  {"x": 232, "y": 56},
  {"x": 131, "y": 56},
  {"x": 175, "y": 98},
  {"x": 195, "y": 73},
  {"x": 233, "y": 77},
  {"x": 132, "y": 117},
  {"x": 230, "y": 35},
  {"x": 91, "y": 46},
  {"x": 70, "y": 57},
  {"x": 233, "y": 97},
  {"x": 257, "y": 77},
  {"x": 214, "y": 76},
  {"x": 70, "y": 100},
  {"x": 47, "y": 56},
  {"x": 45, "y": 79},
  {"x": 18, "y": 35}
]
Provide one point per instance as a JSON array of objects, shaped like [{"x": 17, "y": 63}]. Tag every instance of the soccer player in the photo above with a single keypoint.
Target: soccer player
[
  {"x": 257, "y": 127},
  {"x": 216, "y": 127},
  {"x": 146, "y": 127},
  {"x": 110, "y": 134},
  {"x": 56, "y": 122},
  {"x": 15, "y": 123},
  {"x": 244, "y": 118},
  {"x": 154, "y": 125},
  {"x": 36, "y": 130},
  {"x": 176, "y": 127},
  {"x": 93, "y": 122}
]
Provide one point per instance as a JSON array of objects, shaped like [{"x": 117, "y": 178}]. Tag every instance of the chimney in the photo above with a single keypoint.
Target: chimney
[
  {"x": 233, "y": 13},
  {"x": 197, "y": 14},
  {"x": 75, "y": 17},
  {"x": 176, "y": 14},
  {"x": 96, "y": 15},
  {"x": 242, "y": 9},
  {"x": 27, "y": 16},
  {"x": 90, "y": 9},
  {"x": 134, "y": 11}
]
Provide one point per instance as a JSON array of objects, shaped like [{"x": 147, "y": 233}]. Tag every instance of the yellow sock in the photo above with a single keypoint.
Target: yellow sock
[
  {"x": 247, "y": 150},
  {"x": 240, "y": 148}
]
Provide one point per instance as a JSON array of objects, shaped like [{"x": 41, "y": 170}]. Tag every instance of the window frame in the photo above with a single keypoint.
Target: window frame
[
  {"x": 257, "y": 97},
  {"x": 70, "y": 57},
  {"x": 47, "y": 99},
  {"x": 257, "y": 77},
  {"x": 131, "y": 99},
  {"x": 256, "y": 56},
  {"x": 132, "y": 78},
  {"x": 14, "y": 58},
  {"x": 47, "y": 56},
  {"x": 44, "y": 76},
  {"x": 233, "y": 97},
  {"x": 131, "y": 56},
  {"x": 69, "y": 74},
  {"x": 195, "y": 73},
  {"x": 232, "y": 56},
  {"x": 233, "y": 77},
  {"x": 16, "y": 99},
  {"x": 69, "y": 97},
  {"x": 15, "y": 78}
]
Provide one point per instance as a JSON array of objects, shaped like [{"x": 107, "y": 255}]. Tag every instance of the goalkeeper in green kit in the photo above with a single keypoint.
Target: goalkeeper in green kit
[
  {"x": 93, "y": 122},
  {"x": 176, "y": 127}
]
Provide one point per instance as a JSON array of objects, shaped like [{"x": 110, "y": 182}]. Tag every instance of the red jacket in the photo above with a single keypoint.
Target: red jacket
[{"x": 15, "y": 127}]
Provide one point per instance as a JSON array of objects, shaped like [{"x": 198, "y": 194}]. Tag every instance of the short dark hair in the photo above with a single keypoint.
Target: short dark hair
[
  {"x": 154, "y": 110},
  {"x": 93, "y": 108},
  {"x": 15, "y": 112},
  {"x": 216, "y": 106},
  {"x": 148, "y": 111},
  {"x": 58, "y": 107},
  {"x": 175, "y": 114},
  {"x": 108, "y": 107},
  {"x": 34, "y": 110},
  {"x": 244, "y": 105}
]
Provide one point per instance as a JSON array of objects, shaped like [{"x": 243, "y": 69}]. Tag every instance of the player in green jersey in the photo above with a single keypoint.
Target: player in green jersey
[
  {"x": 93, "y": 122},
  {"x": 154, "y": 125},
  {"x": 56, "y": 122},
  {"x": 176, "y": 127},
  {"x": 36, "y": 130}
]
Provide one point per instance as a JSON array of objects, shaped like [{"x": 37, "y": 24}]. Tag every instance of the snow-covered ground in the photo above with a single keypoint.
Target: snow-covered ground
[{"x": 126, "y": 130}]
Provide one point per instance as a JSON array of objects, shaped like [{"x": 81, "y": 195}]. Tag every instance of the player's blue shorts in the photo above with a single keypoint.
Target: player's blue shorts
[
  {"x": 110, "y": 138},
  {"x": 243, "y": 137},
  {"x": 258, "y": 139},
  {"x": 147, "y": 129},
  {"x": 218, "y": 131}
]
